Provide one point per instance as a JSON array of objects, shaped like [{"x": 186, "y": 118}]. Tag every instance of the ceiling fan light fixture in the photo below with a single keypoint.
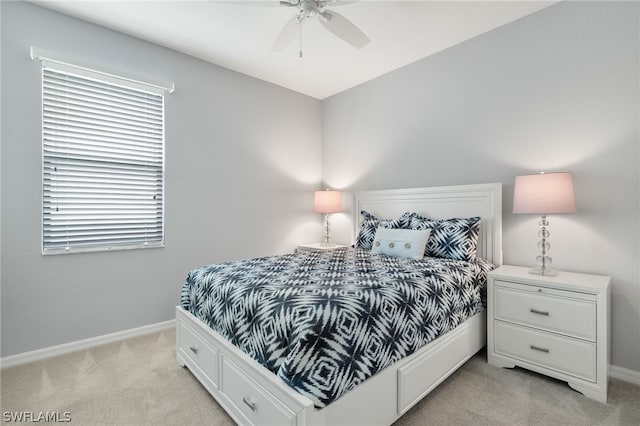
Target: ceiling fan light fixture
[{"x": 309, "y": 8}]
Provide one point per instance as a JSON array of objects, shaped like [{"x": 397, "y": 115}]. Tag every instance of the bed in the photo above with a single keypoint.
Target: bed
[{"x": 278, "y": 390}]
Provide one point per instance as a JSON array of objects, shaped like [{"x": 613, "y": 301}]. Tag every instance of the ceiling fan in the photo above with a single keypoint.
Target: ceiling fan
[{"x": 337, "y": 24}]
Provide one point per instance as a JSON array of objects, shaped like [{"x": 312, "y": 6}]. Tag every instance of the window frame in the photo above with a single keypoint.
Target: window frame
[{"x": 57, "y": 64}]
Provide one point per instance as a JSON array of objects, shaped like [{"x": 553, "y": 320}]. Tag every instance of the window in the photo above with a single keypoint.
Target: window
[{"x": 103, "y": 161}]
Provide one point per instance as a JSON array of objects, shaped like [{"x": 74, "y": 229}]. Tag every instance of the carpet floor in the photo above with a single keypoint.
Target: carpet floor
[{"x": 137, "y": 382}]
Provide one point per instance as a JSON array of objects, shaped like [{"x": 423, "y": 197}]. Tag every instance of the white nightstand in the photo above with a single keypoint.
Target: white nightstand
[
  {"x": 317, "y": 247},
  {"x": 557, "y": 326}
]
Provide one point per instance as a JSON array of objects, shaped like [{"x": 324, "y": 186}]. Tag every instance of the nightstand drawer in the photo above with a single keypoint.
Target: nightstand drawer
[
  {"x": 570, "y": 316},
  {"x": 563, "y": 354}
]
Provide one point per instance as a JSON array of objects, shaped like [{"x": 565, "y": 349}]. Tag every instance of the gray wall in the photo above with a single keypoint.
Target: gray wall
[
  {"x": 555, "y": 91},
  {"x": 240, "y": 176}
]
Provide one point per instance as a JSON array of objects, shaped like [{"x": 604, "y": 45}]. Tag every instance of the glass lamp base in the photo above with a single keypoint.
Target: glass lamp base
[{"x": 547, "y": 272}]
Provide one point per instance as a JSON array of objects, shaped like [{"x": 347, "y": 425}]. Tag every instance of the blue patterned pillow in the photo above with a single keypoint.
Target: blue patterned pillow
[
  {"x": 455, "y": 239},
  {"x": 370, "y": 225}
]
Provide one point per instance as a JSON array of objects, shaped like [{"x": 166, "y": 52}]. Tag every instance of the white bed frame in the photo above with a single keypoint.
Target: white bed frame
[{"x": 251, "y": 394}]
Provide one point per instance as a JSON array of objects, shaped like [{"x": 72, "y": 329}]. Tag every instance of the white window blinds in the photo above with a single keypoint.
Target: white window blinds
[{"x": 103, "y": 163}]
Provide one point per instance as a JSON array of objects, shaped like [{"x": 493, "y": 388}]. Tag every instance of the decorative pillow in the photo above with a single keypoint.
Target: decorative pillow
[
  {"x": 401, "y": 242},
  {"x": 370, "y": 224},
  {"x": 455, "y": 238}
]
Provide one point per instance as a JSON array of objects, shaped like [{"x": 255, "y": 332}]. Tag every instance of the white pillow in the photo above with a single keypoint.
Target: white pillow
[{"x": 400, "y": 242}]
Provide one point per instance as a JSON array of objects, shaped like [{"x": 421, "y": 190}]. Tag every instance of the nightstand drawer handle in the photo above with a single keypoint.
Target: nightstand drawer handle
[
  {"x": 535, "y": 311},
  {"x": 193, "y": 349},
  {"x": 251, "y": 404},
  {"x": 537, "y": 348}
]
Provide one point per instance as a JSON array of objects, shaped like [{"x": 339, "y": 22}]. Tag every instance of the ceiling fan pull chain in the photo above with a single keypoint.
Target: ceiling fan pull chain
[{"x": 301, "y": 38}]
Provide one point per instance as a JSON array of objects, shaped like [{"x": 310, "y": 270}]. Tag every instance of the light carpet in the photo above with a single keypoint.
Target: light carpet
[{"x": 137, "y": 382}]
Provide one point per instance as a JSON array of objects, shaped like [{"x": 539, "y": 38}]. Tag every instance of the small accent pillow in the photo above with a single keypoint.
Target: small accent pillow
[
  {"x": 455, "y": 238},
  {"x": 401, "y": 243},
  {"x": 370, "y": 224}
]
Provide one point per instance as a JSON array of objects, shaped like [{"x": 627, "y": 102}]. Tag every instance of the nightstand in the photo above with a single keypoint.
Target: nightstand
[
  {"x": 557, "y": 326},
  {"x": 308, "y": 248}
]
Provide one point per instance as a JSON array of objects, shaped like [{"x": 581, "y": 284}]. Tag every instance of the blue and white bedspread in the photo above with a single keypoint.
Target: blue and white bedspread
[{"x": 326, "y": 321}]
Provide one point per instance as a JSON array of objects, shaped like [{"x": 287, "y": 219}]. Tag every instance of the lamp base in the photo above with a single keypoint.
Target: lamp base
[
  {"x": 327, "y": 236},
  {"x": 547, "y": 272}
]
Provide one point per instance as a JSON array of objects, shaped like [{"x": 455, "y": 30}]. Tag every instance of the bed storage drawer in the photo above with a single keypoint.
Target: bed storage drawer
[
  {"x": 571, "y": 356},
  {"x": 257, "y": 405},
  {"x": 548, "y": 309},
  {"x": 202, "y": 355},
  {"x": 421, "y": 375}
]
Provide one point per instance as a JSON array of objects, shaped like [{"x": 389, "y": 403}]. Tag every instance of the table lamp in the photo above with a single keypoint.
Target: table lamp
[
  {"x": 544, "y": 193},
  {"x": 327, "y": 202}
]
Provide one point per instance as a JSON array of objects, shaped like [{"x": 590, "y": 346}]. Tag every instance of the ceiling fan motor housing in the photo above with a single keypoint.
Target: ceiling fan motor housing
[{"x": 309, "y": 8}]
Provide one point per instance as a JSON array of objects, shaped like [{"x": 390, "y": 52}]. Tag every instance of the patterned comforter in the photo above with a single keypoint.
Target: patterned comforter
[{"x": 326, "y": 321}]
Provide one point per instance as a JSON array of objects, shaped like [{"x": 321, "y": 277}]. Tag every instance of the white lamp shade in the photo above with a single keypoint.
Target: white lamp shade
[
  {"x": 327, "y": 202},
  {"x": 544, "y": 193}
]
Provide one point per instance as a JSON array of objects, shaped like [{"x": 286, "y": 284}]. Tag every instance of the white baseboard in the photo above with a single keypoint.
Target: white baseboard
[
  {"x": 625, "y": 374},
  {"x": 39, "y": 354}
]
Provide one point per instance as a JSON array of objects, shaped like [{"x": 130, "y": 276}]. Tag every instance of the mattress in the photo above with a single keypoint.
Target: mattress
[{"x": 325, "y": 321}]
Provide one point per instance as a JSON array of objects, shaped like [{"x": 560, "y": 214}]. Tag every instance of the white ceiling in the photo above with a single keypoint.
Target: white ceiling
[{"x": 238, "y": 34}]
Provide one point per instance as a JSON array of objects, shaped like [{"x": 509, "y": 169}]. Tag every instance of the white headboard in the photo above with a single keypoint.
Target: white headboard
[{"x": 443, "y": 202}]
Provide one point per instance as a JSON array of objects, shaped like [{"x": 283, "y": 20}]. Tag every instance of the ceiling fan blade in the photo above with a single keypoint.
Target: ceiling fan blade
[
  {"x": 343, "y": 28},
  {"x": 323, "y": 3},
  {"x": 270, "y": 3},
  {"x": 287, "y": 34}
]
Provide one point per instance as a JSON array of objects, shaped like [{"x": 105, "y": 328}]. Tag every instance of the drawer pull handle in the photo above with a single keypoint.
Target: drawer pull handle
[
  {"x": 193, "y": 349},
  {"x": 535, "y": 311},
  {"x": 250, "y": 404},
  {"x": 537, "y": 348}
]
